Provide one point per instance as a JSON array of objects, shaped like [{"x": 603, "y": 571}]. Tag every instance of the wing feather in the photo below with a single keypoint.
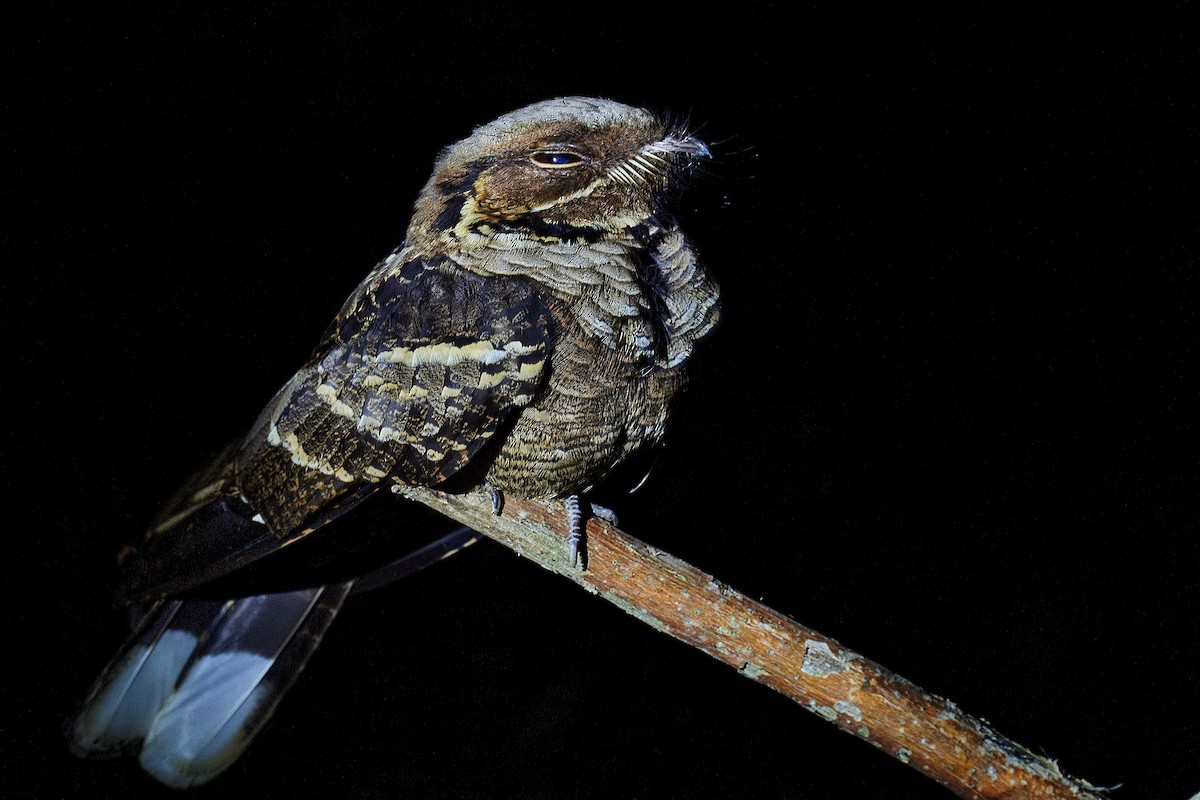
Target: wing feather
[{"x": 420, "y": 369}]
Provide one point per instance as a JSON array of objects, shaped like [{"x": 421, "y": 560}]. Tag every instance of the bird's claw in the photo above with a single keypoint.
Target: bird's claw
[{"x": 605, "y": 513}]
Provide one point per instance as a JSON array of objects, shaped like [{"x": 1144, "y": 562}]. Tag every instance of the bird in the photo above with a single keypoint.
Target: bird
[{"x": 527, "y": 337}]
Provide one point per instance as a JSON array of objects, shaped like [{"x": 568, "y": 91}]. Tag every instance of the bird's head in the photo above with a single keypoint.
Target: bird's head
[{"x": 569, "y": 168}]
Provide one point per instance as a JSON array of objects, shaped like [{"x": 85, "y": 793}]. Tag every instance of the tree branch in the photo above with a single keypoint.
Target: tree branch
[{"x": 863, "y": 698}]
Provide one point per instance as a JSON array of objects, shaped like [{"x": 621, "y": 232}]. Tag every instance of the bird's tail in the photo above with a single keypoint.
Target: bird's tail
[{"x": 199, "y": 678}]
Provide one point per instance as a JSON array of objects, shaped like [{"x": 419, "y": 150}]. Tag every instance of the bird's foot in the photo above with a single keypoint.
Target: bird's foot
[
  {"x": 497, "y": 500},
  {"x": 576, "y": 532},
  {"x": 605, "y": 513},
  {"x": 577, "y": 519}
]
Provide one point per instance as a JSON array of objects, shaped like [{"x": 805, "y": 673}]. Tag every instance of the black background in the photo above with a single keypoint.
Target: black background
[{"x": 949, "y": 418}]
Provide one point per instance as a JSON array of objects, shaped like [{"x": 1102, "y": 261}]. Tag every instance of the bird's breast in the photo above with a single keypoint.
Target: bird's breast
[
  {"x": 626, "y": 313},
  {"x": 601, "y": 402}
]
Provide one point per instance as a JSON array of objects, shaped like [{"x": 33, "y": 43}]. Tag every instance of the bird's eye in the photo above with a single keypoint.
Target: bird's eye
[{"x": 556, "y": 159}]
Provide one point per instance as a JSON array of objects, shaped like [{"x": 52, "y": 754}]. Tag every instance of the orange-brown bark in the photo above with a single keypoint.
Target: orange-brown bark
[{"x": 928, "y": 733}]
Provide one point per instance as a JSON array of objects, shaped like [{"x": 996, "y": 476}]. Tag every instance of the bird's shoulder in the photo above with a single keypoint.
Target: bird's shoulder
[{"x": 417, "y": 300}]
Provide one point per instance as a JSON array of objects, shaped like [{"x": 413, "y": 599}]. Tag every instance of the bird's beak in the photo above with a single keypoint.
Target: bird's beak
[{"x": 676, "y": 145}]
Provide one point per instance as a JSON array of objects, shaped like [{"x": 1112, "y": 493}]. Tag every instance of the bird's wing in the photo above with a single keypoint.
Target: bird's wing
[{"x": 418, "y": 372}]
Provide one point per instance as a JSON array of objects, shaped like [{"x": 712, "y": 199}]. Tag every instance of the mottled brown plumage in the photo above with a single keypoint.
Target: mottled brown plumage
[{"x": 529, "y": 335}]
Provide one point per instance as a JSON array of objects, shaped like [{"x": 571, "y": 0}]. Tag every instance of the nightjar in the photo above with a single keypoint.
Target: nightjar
[{"x": 527, "y": 336}]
